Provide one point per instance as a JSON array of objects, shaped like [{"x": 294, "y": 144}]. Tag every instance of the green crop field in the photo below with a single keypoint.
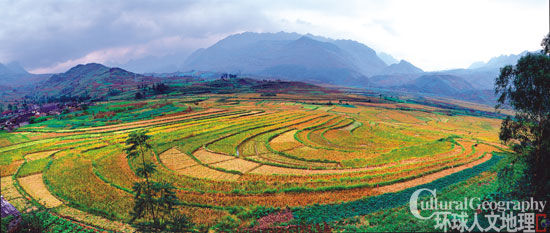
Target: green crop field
[{"x": 237, "y": 159}]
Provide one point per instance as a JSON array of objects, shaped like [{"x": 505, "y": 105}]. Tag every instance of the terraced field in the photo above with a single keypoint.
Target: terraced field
[{"x": 227, "y": 158}]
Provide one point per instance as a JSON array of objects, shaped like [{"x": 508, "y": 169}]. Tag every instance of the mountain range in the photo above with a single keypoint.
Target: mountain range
[
  {"x": 288, "y": 56},
  {"x": 342, "y": 62},
  {"x": 98, "y": 82}
]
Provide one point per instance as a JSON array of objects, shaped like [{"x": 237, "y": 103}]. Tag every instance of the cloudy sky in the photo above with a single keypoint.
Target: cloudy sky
[{"x": 52, "y": 36}]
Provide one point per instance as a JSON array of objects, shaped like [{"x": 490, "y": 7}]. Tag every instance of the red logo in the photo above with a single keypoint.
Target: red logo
[{"x": 542, "y": 222}]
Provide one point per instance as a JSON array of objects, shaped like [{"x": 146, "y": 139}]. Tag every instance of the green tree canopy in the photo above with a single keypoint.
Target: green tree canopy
[
  {"x": 154, "y": 202},
  {"x": 526, "y": 88}
]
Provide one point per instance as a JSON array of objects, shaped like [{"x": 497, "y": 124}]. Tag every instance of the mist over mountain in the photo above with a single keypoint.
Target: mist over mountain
[
  {"x": 403, "y": 67},
  {"x": 97, "y": 82},
  {"x": 290, "y": 55},
  {"x": 388, "y": 59},
  {"x": 364, "y": 58},
  {"x": 12, "y": 68},
  {"x": 342, "y": 62},
  {"x": 447, "y": 85},
  {"x": 154, "y": 64},
  {"x": 14, "y": 75},
  {"x": 482, "y": 75},
  {"x": 282, "y": 55},
  {"x": 395, "y": 75},
  {"x": 498, "y": 62},
  {"x": 313, "y": 59},
  {"x": 480, "y": 78},
  {"x": 392, "y": 80}
]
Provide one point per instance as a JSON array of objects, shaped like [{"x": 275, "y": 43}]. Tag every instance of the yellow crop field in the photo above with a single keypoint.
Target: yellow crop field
[{"x": 241, "y": 152}]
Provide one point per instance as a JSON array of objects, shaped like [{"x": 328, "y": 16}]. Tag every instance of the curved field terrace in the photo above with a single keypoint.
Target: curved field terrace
[{"x": 231, "y": 159}]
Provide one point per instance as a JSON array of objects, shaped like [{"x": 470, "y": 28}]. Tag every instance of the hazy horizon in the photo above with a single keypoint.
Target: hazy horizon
[{"x": 51, "y": 36}]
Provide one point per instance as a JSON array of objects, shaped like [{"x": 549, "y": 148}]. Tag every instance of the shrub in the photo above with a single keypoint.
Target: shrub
[{"x": 227, "y": 224}]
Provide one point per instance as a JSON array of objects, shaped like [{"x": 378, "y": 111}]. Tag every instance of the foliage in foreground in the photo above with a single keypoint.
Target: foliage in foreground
[
  {"x": 511, "y": 171},
  {"x": 38, "y": 221},
  {"x": 335, "y": 212},
  {"x": 154, "y": 202},
  {"x": 526, "y": 88}
]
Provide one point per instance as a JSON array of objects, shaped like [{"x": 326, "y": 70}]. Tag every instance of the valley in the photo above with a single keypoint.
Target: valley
[{"x": 274, "y": 116}]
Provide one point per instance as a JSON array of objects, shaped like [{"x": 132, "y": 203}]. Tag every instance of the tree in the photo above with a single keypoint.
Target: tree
[
  {"x": 113, "y": 92},
  {"x": 526, "y": 88},
  {"x": 160, "y": 88},
  {"x": 154, "y": 202},
  {"x": 546, "y": 44}
]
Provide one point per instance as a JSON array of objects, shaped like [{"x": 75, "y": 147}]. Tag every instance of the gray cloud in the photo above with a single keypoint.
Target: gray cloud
[
  {"x": 52, "y": 35},
  {"x": 43, "y": 33}
]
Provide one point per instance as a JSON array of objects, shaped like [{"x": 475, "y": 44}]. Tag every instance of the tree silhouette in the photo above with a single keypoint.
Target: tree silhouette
[
  {"x": 154, "y": 202},
  {"x": 526, "y": 88}
]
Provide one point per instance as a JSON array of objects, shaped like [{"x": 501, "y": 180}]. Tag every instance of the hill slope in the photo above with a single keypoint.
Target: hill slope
[
  {"x": 14, "y": 75},
  {"x": 482, "y": 75},
  {"x": 388, "y": 59},
  {"x": 403, "y": 67},
  {"x": 447, "y": 85},
  {"x": 92, "y": 79},
  {"x": 290, "y": 55},
  {"x": 396, "y": 74},
  {"x": 101, "y": 82}
]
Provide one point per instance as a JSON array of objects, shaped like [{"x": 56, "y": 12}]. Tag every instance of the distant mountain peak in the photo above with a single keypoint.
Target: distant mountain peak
[
  {"x": 306, "y": 38},
  {"x": 12, "y": 68},
  {"x": 16, "y": 68},
  {"x": 498, "y": 62},
  {"x": 88, "y": 66},
  {"x": 403, "y": 67},
  {"x": 13, "y": 75},
  {"x": 477, "y": 64},
  {"x": 307, "y": 41},
  {"x": 84, "y": 68},
  {"x": 441, "y": 84},
  {"x": 319, "y": 38},
  {"x": 293, "y": 56},
  {"x": 388, "y": 59}
]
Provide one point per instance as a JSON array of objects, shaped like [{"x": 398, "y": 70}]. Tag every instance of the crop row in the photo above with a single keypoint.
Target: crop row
[{"x": 334, "y": 212}]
